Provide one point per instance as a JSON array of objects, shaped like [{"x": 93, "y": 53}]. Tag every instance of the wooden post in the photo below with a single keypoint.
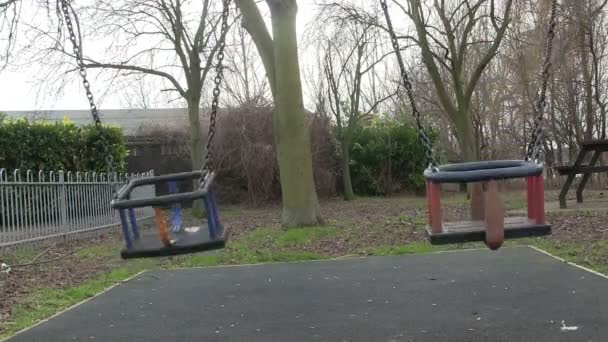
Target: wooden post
[
  {"x": 434, "y": 202},
  {"x": 494, "y": 216},
  {"x": 477, "y": 202}
]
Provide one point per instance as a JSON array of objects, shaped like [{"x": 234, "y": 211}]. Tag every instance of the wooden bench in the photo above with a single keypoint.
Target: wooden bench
[{"x": 578, "y": 168}]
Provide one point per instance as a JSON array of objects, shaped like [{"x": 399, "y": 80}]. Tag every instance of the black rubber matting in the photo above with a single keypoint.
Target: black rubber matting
[{"x": 515, "y": 294}]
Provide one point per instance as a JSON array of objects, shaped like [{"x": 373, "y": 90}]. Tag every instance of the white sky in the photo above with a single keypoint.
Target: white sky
[{"x": 18, "y": 88}]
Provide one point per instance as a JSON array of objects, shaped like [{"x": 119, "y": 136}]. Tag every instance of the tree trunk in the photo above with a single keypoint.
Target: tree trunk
[
  {"x": 349, "y": 194},
  {"x": 465, "y": 135},
  {"x": 470, "y": 152},
  {"x": 197, "y": 143},
  {"x": 300, "y": 203},
  {"x": 589, "y": 117},
  {"x": 586, "y": 73}
]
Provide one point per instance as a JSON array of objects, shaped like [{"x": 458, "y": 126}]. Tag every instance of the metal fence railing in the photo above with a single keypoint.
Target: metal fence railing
[{"x": 47, "y": 205}]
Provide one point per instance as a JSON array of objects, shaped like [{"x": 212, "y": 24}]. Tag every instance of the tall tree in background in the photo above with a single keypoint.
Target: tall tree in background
[
  {"x": 9, "y": 19},
  {"x": 245, "y": 83},
  {"x": 445, "y": 33},
  {"x": 279, "y": 55},
  {"x": 174, "y": 41},
  {"x": 352, "y": 55}
]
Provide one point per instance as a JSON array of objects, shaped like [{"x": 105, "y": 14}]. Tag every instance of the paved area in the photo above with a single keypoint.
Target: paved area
[{"x": 515, "y": 294}]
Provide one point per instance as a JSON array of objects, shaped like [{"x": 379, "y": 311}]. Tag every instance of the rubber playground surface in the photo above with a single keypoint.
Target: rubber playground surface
[{"x": 515, "y": 294}]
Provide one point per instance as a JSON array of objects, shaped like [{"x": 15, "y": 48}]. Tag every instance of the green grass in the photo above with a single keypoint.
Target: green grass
[
  {"x": 196, "y": 261},
  {"x": 239, "y": 254},
  {"x": 590, "y": 254},
  {"x": 261, "y": 246},
  {"x": 104, "y": 250},
  {"x": 301, "y": 236},
  {"x": 19, "y": 254}
]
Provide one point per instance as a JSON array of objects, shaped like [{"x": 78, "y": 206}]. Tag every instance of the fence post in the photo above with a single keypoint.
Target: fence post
[{"x": 63, "y": 205}]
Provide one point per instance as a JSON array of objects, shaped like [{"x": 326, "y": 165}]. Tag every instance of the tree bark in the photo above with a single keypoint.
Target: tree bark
[
  {"x": 349, "y": 194},
  {"x": 197, "y": 143},
  {"x": 300, "y": 203},
  {"x": 196, "y": 136},
  {"x": 587, "y": 85},
  {"x": 465, "y": 134},
  {"x": 280, "y": 58}
]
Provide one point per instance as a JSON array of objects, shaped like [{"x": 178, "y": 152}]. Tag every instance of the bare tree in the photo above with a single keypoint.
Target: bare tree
[
  {"x": 173, "y": 41},
  {"x": 446, "y": 32},
  {"x": 245, "y": 82},
  {"x": 9, "y": 19},
  {"x": 598, "y": 42},
  {"x": 352, "y": 54}
]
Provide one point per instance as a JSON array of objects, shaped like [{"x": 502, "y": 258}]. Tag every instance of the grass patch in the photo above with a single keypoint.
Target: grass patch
[
  {"x": 19, "y": 253},
  {"x": 267, "y": 255},
  {"x": 301, "y": 236},
  {"x": 590, "y": 254},
  {"x": 104, "y": 250},
  {"x": 261, "y": 246},
  {"x": 245, "y": 253},
  {"x": 196, "y": 261}
]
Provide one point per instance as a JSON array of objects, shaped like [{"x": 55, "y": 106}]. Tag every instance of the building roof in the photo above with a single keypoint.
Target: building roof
[{"x": 129, "y": 119}]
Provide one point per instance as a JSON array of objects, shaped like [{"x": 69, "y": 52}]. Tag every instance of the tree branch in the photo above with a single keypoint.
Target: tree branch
[
  {"x": 254, "y": 23},
  {"x": 148, "y": 71},
  {"x": 7, "y": 3},
  {"x": 476, "y": 75}
]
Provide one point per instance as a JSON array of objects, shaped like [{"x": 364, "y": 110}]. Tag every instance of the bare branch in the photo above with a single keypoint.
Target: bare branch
[{"x": 138, "y": 69}]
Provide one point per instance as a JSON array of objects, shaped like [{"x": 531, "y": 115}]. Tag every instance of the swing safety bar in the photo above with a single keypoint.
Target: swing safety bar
[
  {"x": 483, "y": 171},
  {"x": 123, "y": 201}
]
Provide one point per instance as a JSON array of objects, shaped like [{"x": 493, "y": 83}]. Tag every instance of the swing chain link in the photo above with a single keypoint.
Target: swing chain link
[
  {"x": 424, "y": 139},
  {"x": 66, "y": 7},
  {"x": 208, "y": 160},
  {"x": 540, "y": 103}
]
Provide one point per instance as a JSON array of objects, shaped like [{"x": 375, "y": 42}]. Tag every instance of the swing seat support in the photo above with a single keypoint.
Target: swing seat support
[
  {"x": 209, "y": 236},
  {"x": 488, "y": 222}
]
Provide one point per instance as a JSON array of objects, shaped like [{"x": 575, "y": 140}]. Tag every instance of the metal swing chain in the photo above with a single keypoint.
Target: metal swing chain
[
  {"x": 540, "y": 104},
  {"x": 424, "y": 139},
  {"x": 208, "y": 159},
  {"x": 77, "y": 48}
]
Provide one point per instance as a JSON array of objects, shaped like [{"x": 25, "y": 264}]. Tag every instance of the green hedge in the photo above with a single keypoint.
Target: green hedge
[
  {"x": 387, "y": 157},
  {"x": 63, "y": 145}
]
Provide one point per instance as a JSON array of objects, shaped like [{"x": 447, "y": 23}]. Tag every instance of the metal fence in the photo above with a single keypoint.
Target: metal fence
[{"x": 46, "y": 205}]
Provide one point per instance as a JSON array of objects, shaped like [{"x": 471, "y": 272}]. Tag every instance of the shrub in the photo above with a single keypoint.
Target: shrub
[
  {"x": 387, "y": 157},
  {"x": 59, "y": 146},
  {"x": 245, "y": 154}
]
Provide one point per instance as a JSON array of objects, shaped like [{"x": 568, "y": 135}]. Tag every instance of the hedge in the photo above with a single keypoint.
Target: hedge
[
  {"x": 387, "y": 157},
  {"x": 35, "y": 145}
]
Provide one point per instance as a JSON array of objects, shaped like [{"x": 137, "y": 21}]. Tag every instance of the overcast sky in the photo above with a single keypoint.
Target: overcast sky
[{"x": 18, "y": 88}]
